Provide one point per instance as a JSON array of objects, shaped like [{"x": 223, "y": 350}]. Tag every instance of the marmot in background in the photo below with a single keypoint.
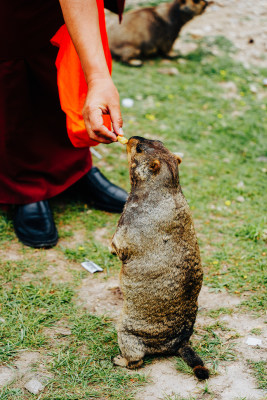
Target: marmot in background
[
  {"x": 161, "y": 272},
  {"x": 150, "y": 31}
]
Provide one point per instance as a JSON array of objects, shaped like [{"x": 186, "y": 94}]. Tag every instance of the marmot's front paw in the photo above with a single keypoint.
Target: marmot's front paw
[{"x": 120, "y": 361}]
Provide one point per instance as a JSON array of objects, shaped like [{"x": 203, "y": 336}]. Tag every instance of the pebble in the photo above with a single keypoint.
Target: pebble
[
  {"x": 168, "y": 71},
  {"x": 241, "y": 199},
  {"x": 6, "y": 376},
  {"x": 127, "y": 102},
  {"x": 63, "y": 331},
  {"x": 34, "y": 386},
  {"x": 240, "y": 185},
  {"x": 253, "y": 89},
  {"x": 179, "y": 154},
  {"x": 262, "y": 159}
]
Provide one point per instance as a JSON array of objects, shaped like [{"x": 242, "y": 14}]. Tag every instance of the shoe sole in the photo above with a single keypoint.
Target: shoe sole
[
  {"x": 39, "y": 245},
  {"x": 42, "y": 245}
]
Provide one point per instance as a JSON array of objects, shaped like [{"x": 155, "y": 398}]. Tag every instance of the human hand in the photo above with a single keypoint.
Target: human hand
[{"x": 102, "y": 98}]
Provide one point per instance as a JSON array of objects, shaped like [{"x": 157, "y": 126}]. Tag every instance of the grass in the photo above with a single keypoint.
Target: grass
[
  {"x": 82, "y": 367},
  {"x": 260, "y": 372},
  {"x": 222, "y": 138}
]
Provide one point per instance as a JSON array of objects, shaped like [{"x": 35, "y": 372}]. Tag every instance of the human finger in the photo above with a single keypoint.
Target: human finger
[
  {"x": 97, "y": 125},
  {"x": 116, "y": 119},
  {"x": 94, "y": 136}
]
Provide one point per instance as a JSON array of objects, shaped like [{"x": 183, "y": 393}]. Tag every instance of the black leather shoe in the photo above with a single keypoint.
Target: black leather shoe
[
  {"x": 99, "y": 191},
  {"x": 34, "y": 225}
]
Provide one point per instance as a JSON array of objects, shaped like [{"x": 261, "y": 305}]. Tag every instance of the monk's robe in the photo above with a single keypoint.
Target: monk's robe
[{"x": 43, "y": 149}]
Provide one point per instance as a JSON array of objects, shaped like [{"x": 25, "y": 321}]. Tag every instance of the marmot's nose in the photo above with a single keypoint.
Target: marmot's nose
[{"x": 133, "y": 141}]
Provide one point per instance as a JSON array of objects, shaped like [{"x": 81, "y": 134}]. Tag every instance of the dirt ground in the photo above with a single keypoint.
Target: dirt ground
[
  {"x": 244, "y": 23},
  {"x": 233, "y": 381}
]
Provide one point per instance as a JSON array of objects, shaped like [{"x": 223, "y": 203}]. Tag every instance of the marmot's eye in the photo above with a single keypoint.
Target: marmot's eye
[
  {"x": 138, "y": 148},
  {"x": 196, "y": 1}
]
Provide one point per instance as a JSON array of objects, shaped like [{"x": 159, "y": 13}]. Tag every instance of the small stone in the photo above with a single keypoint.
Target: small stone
[
  {"x": 253, "y": 341},
  {"x": 184, "y": 48},
  {"x": 7, "y": 375},
  {"x": 253, "y": 89},
  {"x": 179, "y": 154},
  {"x": 168, "y": 71},
  {"x": 197, "y": 34},
  {"x": 240, "y": 185},
  {"x": 34, "y": 386},
  {"x": 63, "y": 331},
  {"x": 165, "y": 61},
  {"x": 262, "y": 159},
  {"x": 127, "y": 102},
  {"x": 241, "y": 199}
]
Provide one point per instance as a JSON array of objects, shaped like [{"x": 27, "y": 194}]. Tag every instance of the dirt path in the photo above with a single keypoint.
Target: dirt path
[{"x": 244, "y": 23}]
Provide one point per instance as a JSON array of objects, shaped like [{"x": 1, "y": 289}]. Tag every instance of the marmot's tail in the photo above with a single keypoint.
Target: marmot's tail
[{"x": 194, "y": 361}]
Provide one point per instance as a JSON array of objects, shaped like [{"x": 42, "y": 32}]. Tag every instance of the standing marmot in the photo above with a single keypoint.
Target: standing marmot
[
  {"x": 161, "y": 273},
  {"x": 150, "y": 31}
]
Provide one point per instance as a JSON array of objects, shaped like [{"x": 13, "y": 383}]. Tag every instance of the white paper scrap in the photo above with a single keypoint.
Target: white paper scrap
[
  {"x": 251, "y": 341},
  {"x": 95, "y": 153},
  {"x": 91, "y": 266}
]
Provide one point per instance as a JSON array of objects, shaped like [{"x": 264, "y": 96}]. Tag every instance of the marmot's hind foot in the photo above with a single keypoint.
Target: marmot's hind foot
[
  {"x": 120, "y": 361},
  {"x": 123, "y": 362}
]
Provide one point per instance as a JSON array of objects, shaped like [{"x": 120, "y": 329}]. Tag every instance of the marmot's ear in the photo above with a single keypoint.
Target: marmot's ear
[
  {"x": 179, "y": 159},
  {"x": 154, "y": 166}
]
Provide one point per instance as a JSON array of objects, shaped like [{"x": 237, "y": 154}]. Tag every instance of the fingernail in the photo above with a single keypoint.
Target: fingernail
[{"x": 121, "y": 132}]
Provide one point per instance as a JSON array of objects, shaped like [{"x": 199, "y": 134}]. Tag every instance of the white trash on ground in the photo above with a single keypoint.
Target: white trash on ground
[
  {"x": 251, "y": 341},
  {"x": 91, "y": 266}
]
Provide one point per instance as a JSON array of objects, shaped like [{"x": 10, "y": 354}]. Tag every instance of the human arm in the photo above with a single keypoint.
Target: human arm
[{"x": 81, "y": 17}]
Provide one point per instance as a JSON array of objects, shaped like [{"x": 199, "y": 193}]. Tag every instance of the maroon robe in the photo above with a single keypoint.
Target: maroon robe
[{"x": 37, "y": 159}]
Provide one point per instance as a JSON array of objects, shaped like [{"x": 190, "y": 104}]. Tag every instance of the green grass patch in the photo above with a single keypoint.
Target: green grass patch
[{"x": 260, "y": 372}]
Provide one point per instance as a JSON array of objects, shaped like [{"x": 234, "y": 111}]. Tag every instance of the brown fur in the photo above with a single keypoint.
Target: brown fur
[
  {"x": 150, "y": 31},
  {"x": 161, "y": 273}
]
